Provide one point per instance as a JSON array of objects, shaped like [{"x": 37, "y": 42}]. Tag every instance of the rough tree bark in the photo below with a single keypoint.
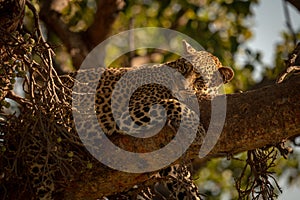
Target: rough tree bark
[{"x": 254, "y": 119}]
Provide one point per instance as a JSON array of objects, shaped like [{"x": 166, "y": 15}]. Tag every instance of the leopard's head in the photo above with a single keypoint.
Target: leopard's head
[{"x": 206, "y": 73}]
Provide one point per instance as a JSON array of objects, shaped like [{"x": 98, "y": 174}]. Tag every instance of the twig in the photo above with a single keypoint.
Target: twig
[
  {"x": 292, "y": 64},
  {"x": 20, "y": 100},
  {"x": 288, "y": 21}
]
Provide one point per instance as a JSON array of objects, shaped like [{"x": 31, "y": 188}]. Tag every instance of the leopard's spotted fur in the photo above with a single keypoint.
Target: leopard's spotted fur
[{"x": 199, "y": 72}]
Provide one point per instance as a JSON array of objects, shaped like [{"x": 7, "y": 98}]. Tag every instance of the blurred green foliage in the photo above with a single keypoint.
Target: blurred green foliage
[
  {"x": 79, "y": 14},
  {"x": 221, "y": 27}
]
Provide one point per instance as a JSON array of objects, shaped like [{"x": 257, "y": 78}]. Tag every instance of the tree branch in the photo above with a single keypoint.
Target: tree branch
[
  {"x": 295, "y": 3},
  {"x": 254, "y": 119},
  {"x": 107, "y": 11}
]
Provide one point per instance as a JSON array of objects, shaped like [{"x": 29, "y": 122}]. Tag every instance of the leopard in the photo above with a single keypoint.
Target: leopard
[
  {"x": 166, "y": 101},
  {"x": 196, "y": 73},
  {"x": 135, "y": 101}
]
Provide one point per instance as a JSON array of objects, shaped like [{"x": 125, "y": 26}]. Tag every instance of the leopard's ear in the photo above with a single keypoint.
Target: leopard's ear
[
  {"x": 226, "y": 73},
  {"x": 187, "y": 48}
]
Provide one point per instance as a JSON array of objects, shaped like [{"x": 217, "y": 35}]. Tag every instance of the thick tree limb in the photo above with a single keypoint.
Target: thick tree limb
[
  {"x": 295, "y": 3},
  {"x": 254, "y": 119},
  {"x": 104, "y": 18}
]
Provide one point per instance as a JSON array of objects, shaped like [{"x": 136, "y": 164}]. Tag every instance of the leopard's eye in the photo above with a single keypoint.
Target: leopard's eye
[
  {"x": 199, "y": 79},
  {"x": 199, "y": 83},
  {"x": 199, "y": 76}
]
